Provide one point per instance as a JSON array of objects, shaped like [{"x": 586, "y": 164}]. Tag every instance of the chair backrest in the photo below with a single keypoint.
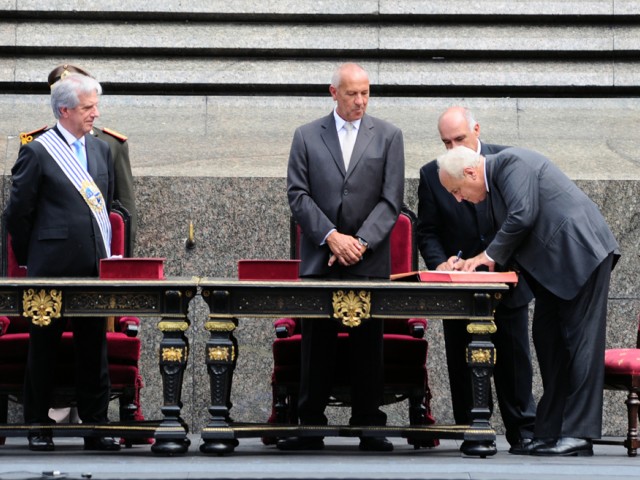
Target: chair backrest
[
  {"x": 404, "y": 252},
  {"x": 118, "y": 238},
  {"x": 119, "y": 244}
]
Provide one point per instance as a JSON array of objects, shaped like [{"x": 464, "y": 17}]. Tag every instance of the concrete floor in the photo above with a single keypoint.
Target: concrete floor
[{"x": 340, "y": 459}]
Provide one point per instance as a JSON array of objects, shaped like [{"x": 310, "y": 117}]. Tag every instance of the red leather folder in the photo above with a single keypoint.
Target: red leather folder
[
  {"x": 434, "y": 276},
  {"x": 268, "y": 269},
  {"x": 132, "y": 268}
]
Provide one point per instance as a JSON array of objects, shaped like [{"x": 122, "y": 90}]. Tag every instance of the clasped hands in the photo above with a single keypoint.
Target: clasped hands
[
  {"x": 345, "y": 249},
  {"x": 454, "y": 263}
]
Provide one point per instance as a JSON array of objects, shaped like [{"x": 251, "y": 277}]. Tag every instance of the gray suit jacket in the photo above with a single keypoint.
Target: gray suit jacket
[
  {"x": 52, "y": 228},
  {"x": 365, "y": 201},
  {"x": 546, "y": 223}
]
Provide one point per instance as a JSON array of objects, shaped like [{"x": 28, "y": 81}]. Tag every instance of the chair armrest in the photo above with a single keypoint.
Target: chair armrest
[
  {"x": 284, "y": 327},
  {"x": 417, "y": 327},
  {"x": 129, "y": 326},
  {"x": 4, "y": 325}
]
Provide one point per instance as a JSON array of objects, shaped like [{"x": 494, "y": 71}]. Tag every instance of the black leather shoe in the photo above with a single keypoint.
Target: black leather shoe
[
  {"x": 101, "y": 443},
  {"x": 41, "y": 443},
  {"x": 300, "y": 443},
  {"x": 375, "y": 444},
  {"x": 566, "y": 447},
  {"x": 526, "y": 445}
]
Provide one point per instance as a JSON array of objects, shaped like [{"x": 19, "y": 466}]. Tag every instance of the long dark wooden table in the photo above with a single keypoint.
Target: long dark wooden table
[
  {"x": 230, "y": 301},
  {"x": 167, "y": 300},
  {"x": 348, "y": 302}
]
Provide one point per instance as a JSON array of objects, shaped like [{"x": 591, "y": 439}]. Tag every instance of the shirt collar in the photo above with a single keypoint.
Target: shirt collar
[
  {"x": 484, "y": 169},
  {"x": 68, "y": 136},
  {"x": 341, "y": 121}
]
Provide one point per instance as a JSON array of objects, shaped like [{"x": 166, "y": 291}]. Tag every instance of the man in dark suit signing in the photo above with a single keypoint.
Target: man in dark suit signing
[
  {"x": 446, "y": 227},
  {"x": 345, "y": 184},
  {"x": 563, "y": 246},
  {"x": 58, "y": 218}
]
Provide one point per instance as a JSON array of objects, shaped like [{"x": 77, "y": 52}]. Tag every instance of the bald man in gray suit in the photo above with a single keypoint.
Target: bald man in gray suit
[
  {"x": 346, "y": 204},
  {"x": 559, "y": 239}
]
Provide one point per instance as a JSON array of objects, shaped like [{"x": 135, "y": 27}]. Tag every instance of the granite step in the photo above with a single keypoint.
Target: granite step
[
  {"x": 245, "y": 136},
  {"x": 208, "y": 8}
]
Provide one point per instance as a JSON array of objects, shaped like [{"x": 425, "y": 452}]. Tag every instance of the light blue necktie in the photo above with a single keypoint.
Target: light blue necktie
[{"x": 80, "y": 153}]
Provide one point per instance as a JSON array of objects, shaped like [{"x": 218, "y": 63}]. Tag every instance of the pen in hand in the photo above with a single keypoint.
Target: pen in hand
[{"x": 458, "y": 256}]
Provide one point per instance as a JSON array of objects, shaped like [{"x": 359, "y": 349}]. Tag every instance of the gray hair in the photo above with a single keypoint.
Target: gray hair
[
  {"x": 336, "y": 78},
  {"x": 65, "y": 92},
  {"x": 454, "y": 161}
]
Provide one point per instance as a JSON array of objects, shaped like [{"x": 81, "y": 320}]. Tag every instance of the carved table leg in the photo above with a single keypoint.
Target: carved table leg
[
  {"x": 221, "y": 358},
  {"x": 171, "y": 436},
  {"x": 481, "y": 356}
]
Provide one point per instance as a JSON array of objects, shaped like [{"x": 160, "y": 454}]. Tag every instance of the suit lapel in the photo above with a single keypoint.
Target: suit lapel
[
  {"x": 330, "y": 138},
  {"x": 365, "y": 135},
  {"x": 92, "y": 163},
  {"x": 496, "y": 207}
]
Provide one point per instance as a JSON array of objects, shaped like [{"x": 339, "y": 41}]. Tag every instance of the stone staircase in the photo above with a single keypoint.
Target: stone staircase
[
  {"x": 210, "y": 92},
  {"x": 186, "y": 70}
]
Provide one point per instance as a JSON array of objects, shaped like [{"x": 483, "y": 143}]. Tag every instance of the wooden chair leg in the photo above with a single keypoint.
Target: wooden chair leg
[
  {"x": 4, "y": 413},
  {"x": 633, "y": 441},
  {"x": 127, "y": 411}
]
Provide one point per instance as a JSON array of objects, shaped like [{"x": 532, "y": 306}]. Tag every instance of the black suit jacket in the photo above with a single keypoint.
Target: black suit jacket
[
  {"x": 446, "y": 226},
  {"x": 364, "y": 201},
  {"x": 52, "y": 228}
]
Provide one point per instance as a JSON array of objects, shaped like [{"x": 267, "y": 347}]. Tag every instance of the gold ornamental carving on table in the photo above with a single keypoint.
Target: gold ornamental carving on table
[
  {"x": 172, "y": 354},
  {"x": 351, "y": 308},
  {"x": 482, "y": 356},
  {"x": 165, "y": 326},
  {"x": 222, "y": 354},
  {"x": 219, "y": 326},
  {"x": 482, "y": 328},
  {"x": 41, "y": 306}
]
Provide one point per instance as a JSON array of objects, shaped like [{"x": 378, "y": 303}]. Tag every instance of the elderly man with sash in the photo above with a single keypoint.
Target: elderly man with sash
[{"x": 58, "y": 218}]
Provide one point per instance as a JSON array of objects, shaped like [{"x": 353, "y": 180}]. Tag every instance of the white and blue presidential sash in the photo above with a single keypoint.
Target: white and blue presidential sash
[{"x": 80, "y": 178}]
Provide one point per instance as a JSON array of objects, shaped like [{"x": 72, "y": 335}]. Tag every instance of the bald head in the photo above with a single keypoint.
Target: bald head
[
  {"x": 350, "y": 89},
  {"x": 457, "y": 128}
]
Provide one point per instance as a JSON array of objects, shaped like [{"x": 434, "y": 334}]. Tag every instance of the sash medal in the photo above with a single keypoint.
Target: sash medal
[{"x": 81, "y": 180}]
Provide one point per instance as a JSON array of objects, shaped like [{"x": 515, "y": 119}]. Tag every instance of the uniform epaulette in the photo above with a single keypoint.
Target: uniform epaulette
[
  {"x": 29, "y": 136},
  {"x": 114, "y": 134}
]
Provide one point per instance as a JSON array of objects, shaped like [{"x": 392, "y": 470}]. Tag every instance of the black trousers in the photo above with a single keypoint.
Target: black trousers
[
  {"x": 91, "y": 369},
  {"x": 569, "y": 337},
  {"x": 365, "y": 364},
  {"x": 512, "y": 374}
]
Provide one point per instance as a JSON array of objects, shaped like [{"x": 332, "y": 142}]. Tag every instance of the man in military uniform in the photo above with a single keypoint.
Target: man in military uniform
[{"x": 119, "y": 152}]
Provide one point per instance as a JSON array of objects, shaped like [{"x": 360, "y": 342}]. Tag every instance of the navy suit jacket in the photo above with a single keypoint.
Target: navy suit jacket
[
  {"x": 446, "y": 226},
  {"x": 364, "y": 201},
  {"x": 52, "y": 228},
  {"x": 547, "y": 224}
]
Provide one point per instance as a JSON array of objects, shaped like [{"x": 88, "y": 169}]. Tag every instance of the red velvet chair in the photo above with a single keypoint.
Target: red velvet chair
[
  {"x": 123, "y": 347},
  {"x": 622, "y": 372},
  {"x": 405, "y": 350}
]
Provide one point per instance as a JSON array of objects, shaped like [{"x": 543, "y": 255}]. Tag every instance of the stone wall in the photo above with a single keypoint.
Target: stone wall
[{"x": 237, "y": 218}]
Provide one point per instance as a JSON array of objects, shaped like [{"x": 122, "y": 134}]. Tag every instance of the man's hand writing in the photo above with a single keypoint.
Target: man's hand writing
[{"x": 481, "y": 259}]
